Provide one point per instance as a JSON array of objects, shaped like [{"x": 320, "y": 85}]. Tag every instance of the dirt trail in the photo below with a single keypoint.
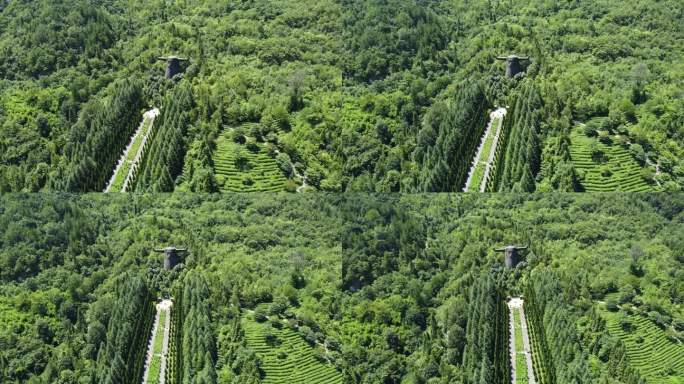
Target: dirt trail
[
  {"x": 151, "y": 114},
  {"x": 163, "y": 306},
  {"x": 496, "y": 115},
  {"x": 296, "y": 173},
  {"x": 513, "y": 304},
  {"x": 302, "y": 187}
]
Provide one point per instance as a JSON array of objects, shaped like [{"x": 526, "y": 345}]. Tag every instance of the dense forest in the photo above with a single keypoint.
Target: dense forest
[
  {"x": 77, "y": 303},
  {"x": 354, "y": 95},
  {"x": 349, "y": 288},
  {"x": 427, "y": 289}
]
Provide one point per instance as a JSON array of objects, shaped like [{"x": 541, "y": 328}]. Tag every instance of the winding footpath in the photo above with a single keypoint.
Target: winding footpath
[
  {"x": 298, "y": 175},
  {"x": 304, "y": 185},
  {"x": 514, "y": 304},
  {"x": 149, "y": 115},
  {"x": 494, "y": 116},
  {"x": 163, "y": 306}
]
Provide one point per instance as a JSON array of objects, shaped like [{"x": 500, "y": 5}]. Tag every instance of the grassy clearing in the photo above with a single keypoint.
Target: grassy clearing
[
  {"x": 658, "y": 359},
  {"x": 616, "y": 170},
  {"x": 155, "y": 364},
  {"x": 240, "y": 170},
  {"x": 286, "y": 357},
  {"x": 479, "y": 172},
  {"x": 520, "y": 362},
  {"x": 121, "y": 175}
]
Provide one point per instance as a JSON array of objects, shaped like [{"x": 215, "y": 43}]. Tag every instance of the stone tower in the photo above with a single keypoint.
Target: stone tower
[
  {"x": 171, "y": 256},
  {"x": 511, "y": 256},
  {"x": 173, "y": 66},
  {"x": 513, "y": 64}
]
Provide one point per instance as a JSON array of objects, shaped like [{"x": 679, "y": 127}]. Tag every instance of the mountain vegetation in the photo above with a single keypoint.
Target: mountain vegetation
[
  {"x": 353, "y": 92},
  {"x": 367, "y": 288},
  {"x": 163, "y": 161}
]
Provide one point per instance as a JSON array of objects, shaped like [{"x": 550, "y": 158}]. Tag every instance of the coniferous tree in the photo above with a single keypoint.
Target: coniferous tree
[
  {"x": 448, "y": 140},
  {"x": 519, "y": 159},
  {"x": 98, "y": 138},
  {"x": 568, "y": 359},
  {"x": 198, "y": 346},
  {"x": 162, "y": 162},
  {"x": 120, "y": 359},
  {"x": 485, "y": 355}
]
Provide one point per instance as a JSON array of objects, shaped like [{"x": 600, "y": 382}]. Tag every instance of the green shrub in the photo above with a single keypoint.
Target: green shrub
[
  {"x": 260, "y": 315},
  {"x": 238, "y": 135},
  {"x": 590, "y": 130},
  {"x": 271, "y": 339},
  {"x": 308, "y": 334},
  {"x": 612, "y": 306},
  {"x": 253, "y": 147}
]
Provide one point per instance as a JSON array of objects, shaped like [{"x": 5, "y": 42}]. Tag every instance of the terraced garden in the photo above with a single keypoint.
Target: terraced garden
[
  {"x": 616, "y": 170},
  {"x": 658, "y": 359},
  {"x": 286, "y": 357},
  {"x": 239, "y": 169}
]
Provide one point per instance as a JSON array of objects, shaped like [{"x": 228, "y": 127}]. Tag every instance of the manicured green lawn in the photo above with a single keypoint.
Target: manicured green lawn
[
  {"x": 120, "y": 176},
  {"x": 520, "y": 362},
  {"x": 479, "y": 172}
]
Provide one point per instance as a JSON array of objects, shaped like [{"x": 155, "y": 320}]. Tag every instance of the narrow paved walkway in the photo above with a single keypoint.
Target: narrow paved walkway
[
  {"x": 477, "y": 160},
  {"x": 499, "y": 114},
  {"x": 514, "y": 304},
  {"x": 163, "y": 306},
  {"x": 151, "y": 114}
]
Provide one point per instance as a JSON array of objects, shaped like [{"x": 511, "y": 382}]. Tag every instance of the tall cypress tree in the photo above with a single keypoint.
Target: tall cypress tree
[
  {"x": 448, "y": 140},
  {"x": 162, "y": 162},
  {"x": 98, "y": 138},
  {"x": 120, "y": 359},
  {"x": 198, "y": 348},
  {"x": 518, "y": 165}
]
